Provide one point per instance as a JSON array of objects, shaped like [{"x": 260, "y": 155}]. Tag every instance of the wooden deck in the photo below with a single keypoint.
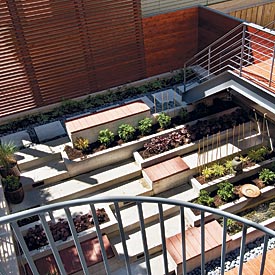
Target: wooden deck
[
  {"x": 252, "y": 267},
  {"x": 213, "y": 241},
  {"x": 260, "y": 74},
  {"x": 70, "y": 259}
]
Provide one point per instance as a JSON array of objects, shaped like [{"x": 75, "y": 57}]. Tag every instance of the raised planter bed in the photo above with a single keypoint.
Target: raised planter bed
[
  {"x": 247, "y": 172},
  {"x": 238, "y": 205},
  {"x": 181, "y": 150},
  {"x": 88, "y": 126}
]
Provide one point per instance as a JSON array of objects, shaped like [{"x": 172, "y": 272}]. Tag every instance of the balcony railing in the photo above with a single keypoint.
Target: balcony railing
[
  {"x": 44, "y": 212},
  {"x": 248, "y": 50}
]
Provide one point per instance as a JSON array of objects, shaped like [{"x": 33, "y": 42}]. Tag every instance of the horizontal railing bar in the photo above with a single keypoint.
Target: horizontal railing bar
[
  {"x": 215, "y": 42},
  {"x": 109, "y": 199}
]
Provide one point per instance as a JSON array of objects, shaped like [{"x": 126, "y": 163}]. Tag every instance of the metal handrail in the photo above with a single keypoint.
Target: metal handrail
[
  {"x": 138, "y": 201},
  {"x": 221, "y": 53}
]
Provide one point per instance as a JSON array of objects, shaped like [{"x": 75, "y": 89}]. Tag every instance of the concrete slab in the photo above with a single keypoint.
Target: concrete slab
[
  {"x": 147, "y": 101},
  {"x": 20, "y": 139},
  {"x": 50, "y": 131}
]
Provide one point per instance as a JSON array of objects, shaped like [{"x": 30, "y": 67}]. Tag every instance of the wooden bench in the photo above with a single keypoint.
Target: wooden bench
[
  {"x": 166, "y": 174},
  {"x": 69, "y": 256},
  {"x": 213, "y": 242},
  {"x": 88, "y": 126}
]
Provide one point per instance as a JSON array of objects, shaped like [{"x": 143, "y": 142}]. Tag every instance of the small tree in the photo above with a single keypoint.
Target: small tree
[
  {"x": 164, "y": 120},
  {"x": 226, "y": 190},
  {"x": 126, "y": 132},
  {"x": 145, "y": 125},
  {"x": 106, "y": 137}
]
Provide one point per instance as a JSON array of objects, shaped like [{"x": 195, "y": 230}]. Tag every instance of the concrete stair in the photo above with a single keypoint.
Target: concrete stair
[{"x": 95, "y": 182}]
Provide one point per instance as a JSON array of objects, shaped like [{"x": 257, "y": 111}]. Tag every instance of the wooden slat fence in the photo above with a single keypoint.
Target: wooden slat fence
[{"x": 60, "y": 49}]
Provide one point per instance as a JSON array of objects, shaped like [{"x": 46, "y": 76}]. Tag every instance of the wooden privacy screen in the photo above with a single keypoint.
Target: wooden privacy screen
[{"x": 57, "y": 49}]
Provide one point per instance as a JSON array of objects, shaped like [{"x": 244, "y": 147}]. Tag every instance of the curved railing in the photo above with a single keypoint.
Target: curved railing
[{"x": 47, "y": 211}]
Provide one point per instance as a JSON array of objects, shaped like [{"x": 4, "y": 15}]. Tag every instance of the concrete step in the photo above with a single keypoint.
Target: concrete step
[
  {"x": 46, "y": 173},
  {"x": 89, "y": 183},
  {"x": 129, "y": 214},
  {"x": 156, "y": 264},
  {"x": 134, "y": 239}
]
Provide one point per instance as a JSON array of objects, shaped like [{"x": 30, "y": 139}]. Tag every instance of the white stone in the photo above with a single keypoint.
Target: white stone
[{"x": 50, "y": 131}]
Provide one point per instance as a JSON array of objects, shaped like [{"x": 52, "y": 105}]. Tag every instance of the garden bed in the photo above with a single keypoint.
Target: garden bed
[{"x": 235, "y": 206}]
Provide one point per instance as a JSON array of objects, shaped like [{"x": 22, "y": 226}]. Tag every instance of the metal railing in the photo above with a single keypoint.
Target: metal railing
[
  {"x": 248, "y": 50},
  {"x": 137, "y": 202}
]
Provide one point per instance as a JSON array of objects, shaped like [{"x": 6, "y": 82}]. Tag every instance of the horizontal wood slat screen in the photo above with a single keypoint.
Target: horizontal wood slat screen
[{"x": 54, "y": 50}]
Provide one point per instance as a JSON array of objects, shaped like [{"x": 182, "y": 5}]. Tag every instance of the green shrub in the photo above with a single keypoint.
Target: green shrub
[
  {"x": 204, "y": 198},
  {"x": 226, "y": 190},
  {"x": 218, "y": 170},
  {"x": 81, "y": 143},
  {"x": 267, "y": 176},
  {"x": 228, "y": 167},
  {"x": 258, "y": 155},
  {"x": 126, "y": 132},
  {"x": 145, "y": 125},
  {"x": 106, "y": 137},
  {"x": 164, "y": 120}
]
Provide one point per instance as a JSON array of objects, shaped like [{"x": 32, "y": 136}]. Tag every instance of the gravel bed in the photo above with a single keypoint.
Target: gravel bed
[{"x": 252, "y": 250}]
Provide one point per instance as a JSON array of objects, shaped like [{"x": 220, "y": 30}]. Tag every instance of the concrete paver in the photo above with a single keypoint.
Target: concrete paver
[
  {"x": 20, "y": 139},
  {"x": 49, "y": 131}
]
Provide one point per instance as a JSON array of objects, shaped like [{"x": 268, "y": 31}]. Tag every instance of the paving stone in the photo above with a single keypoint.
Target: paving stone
[
  {"x": 50, "y": 131},
  {"x": 20, "y": 139}
]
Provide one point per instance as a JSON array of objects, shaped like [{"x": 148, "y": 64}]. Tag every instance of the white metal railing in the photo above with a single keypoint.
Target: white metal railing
[
  {"x": 138, "y": 202},
  {"x": 237, "y": 50}
]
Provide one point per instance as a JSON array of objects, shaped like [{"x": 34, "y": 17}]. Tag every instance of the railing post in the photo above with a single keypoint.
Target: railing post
[
  {"x": 242, "y": 50},
  {"x": 184, "y": 77},
  {"x": 272, "y": 65},
  {"x": 209, "y": 62}
]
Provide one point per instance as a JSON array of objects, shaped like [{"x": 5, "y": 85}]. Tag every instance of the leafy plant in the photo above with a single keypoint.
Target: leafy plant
[
  {"x": 11, "y": 183},
  {"x": 106, "y": 137},
  {"x": 228, "y": 167},
  {"x": 226, "y": 190},
  {"x": 218, "y": 170},
  {"x": 7, "y": 151},
  {"x": 156, "y": 145},
  {"x": 259, "y": 154},
  {"x": 145, "y": 125},
  {"x": 233, "y": 226},
  {"x": 267, "y": 176},
  {"x": 207, "y": 173},
  {"x": 204, "y": 198},
  {"x": 126, "y": 132},
  {"x": 81, "y": 143},
  {"x": 164, "y": 120}
]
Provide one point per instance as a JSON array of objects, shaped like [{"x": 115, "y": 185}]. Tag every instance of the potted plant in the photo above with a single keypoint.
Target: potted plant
[
  {"x": 13, "y": 189},
  {"x": 8, "y": 162}
]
